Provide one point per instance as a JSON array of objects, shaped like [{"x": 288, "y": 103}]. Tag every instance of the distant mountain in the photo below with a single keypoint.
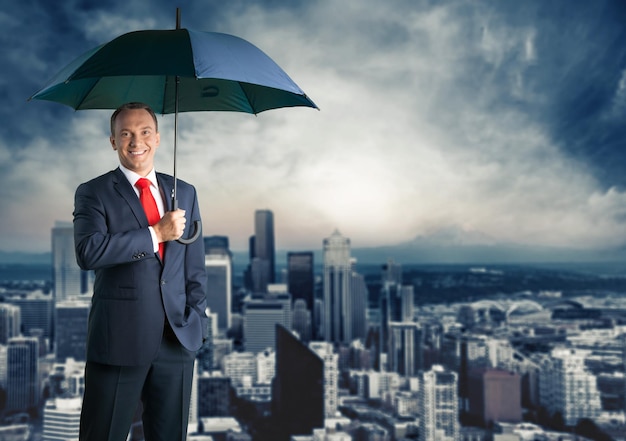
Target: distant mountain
[
  {"x": 456, "y": 246},
  {"x": 15, "y": 257}
]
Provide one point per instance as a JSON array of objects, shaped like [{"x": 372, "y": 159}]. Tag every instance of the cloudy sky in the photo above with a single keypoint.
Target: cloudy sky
[{"x": 504, "y": 119}]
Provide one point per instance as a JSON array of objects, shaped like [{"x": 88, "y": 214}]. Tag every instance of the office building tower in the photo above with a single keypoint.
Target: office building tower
[
  {"x": 265, "y": 366},
  {"x": 219, "y": 269},
  {"x": 567, "y": 387},
  {"x": 264, "y": 247},
  {"x": 10, "y": 322},
  {"x": 300, "y": 277},
  {"x": 438, "y": 408},
  {"x": 61, "y": 419},
  {"x": 391, "y": 273},
  {"x": 260, "y": 314},
  {"x": 495, "y": 396},
  {"x": 298, "y": 387},
  {"x": 22, "y": 374},
  {"x": 301, "y": 322},
  {"x": 205, "y": 357},
  {"x": 358, "y": 309},
  {"x": 325, "y": 351},
  {"x": 404, "y": 355},
  {"x": 337, "y": 282},
  {"x": 396, "y": 305},
  {"x": 259, "y": 275},
  {"x": 213, "y": 395},
  {"x": 36, "y": 309},
  {"x": 69, "y": 279},
  {"x": 71, "y": 334},
  {"x": 240, "y": 367}
]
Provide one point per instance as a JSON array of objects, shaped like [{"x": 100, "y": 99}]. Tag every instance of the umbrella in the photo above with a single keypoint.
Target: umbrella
[{"x": 179, "y": 70}]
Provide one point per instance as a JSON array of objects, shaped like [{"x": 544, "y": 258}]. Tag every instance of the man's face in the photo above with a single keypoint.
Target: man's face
[{"x": 136, "y": 140}]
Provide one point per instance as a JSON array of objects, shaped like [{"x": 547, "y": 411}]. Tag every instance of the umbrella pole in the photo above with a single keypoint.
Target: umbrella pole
[{"x": 197, "y": 226}]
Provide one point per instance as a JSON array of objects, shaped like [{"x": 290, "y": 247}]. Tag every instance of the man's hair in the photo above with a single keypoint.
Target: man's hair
[{"x": 129, "y": 106}]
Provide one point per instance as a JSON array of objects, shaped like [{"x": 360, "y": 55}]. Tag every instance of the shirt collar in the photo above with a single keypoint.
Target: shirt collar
[{"x": 134, "y": 177}]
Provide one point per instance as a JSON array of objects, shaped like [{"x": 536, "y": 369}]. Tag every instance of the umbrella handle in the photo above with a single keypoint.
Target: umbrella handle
[{"x": 197, "y": 228}]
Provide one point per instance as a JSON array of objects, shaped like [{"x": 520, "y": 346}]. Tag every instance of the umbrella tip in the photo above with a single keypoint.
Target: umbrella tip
[{"x": 177, "y": 18}]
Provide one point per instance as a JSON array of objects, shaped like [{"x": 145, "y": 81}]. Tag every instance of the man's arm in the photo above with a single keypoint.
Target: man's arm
[{"x": 96, "y": 245}]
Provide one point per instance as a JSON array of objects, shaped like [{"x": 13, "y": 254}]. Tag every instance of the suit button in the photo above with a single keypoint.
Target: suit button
[{"x": 162, "y": 282}]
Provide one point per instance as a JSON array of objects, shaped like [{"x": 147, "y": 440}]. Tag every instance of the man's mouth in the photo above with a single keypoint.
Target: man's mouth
[{"x": 137, "y": 152}]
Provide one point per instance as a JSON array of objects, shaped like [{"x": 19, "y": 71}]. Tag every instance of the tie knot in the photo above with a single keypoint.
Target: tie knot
[{"x": 142, "y": 183}]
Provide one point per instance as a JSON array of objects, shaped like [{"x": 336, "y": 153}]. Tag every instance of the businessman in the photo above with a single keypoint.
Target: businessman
[{"x": 147, "y": 316}]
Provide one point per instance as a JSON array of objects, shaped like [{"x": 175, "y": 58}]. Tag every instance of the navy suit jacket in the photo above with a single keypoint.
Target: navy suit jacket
[{"x": 134, "y": 291}]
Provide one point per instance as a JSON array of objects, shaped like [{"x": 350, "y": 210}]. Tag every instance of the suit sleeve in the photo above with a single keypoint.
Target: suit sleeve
[
  {"x": 97, "y": 246},
  {"x": 195, "y": 271}
]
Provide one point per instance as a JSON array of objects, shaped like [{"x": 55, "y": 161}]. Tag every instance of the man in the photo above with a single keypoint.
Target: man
[{"x": 147, "y": 315}]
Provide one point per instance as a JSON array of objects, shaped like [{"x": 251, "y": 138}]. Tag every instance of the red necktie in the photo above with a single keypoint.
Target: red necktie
[{"x": 149, "y": 206}]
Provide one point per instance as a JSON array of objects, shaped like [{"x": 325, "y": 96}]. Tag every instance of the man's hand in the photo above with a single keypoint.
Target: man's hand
[{"x": 171, "y": 226}]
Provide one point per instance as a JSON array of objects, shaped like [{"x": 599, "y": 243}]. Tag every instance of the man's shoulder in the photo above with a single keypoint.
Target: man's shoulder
[{"x": 111, "y": 175}]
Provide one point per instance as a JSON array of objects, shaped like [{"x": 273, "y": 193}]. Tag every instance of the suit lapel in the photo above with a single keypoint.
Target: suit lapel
[{"x": 123, "y": 187}]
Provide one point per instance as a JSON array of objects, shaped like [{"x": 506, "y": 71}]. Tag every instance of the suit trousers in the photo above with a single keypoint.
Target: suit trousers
[{"x": 112, "y": 394}]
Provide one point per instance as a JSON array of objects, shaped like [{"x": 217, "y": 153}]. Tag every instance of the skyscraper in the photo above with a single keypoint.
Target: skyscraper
[
  {"x": 302, "y": 320},
  {"x": 264, "y": 245},
  {"x": 69, "y": 279},
  {"x": 61, "y": 419},
  {"x": 568, "y": 387},
  {"x": 300, "y": 277},
  {"x": 218, "y": 263},
  {"x": 438, "y": 407},
  {"x": 37, "y": 313},
  {"x": 298, "y": 387},
  {"x": 10, "y": 322},
  {"x": 260, "y": 315},
  {"x": 71, "y": 335},
  {"x": 337, "y": 282},
  {"x": 22, "y": 374},
  {"x": 495, "y": 395},
  {"x": 325, "y": 352},
  {"x": 404, "y": 355}
]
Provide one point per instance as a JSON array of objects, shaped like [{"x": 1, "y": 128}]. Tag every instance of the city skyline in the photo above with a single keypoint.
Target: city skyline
[{"x": 502, "y": 120}]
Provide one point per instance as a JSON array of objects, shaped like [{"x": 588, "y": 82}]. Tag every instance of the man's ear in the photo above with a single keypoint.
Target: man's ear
[{"x": 112, "y": 140}]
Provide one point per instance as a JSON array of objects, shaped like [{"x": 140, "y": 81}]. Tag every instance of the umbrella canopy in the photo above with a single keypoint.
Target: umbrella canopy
[
  {"x": 175, "y": 71},
  {"x": 216, "y": 72}
]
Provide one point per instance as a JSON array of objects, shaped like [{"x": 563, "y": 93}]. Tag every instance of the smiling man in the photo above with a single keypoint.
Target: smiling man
[{"x": 147, "y": 316}]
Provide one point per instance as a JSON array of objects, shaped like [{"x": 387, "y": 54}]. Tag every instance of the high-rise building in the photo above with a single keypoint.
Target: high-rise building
[
  {"x": 265, "y": 366},
  {"x": 36, "y": 309},
  {"x": 71, "y": 334},
  {"x": 213, "y": 395},
  {"x": 391, "y": 272},
  {"x": 325, "y": 351},
  {"x": 438, "y": 408},
  {"x": 396, "y": 305},
  {"x": 568, "y": 387},
  {"x": 298, "y": 387},
  {"x": 10, "y": 322},
  {"x": 264, "y": 247},
  {"x": 495, "y": 396},
  {"x": 61, "y": 419},
  {"x": 302, "y": 320},
  {"x": 358, "y": 307},
  {"x": 404, "y": 355},
  {"x": 261, "y": 313},
  {"x": 218, "y": 263},
  {"x": 22, "y": 374},
  {"x": 300, "y": 277},
  {"x": 337, "y": 282},
  {"x": 205, "y": 357},
  {"x": 69, "y": 279},
  {"x": 240, "y": 367}
]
